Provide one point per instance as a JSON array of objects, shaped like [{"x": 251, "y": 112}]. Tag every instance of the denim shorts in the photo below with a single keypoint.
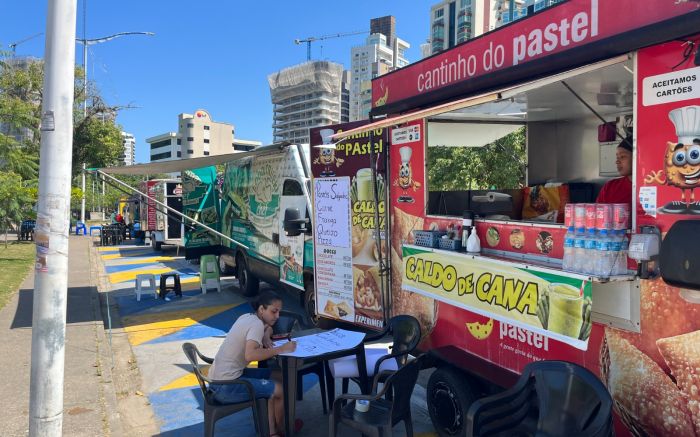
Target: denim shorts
[{"x": 233, "y": 393}]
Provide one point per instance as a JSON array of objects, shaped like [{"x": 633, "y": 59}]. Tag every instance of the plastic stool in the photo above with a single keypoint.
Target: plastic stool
[
  {"x": 165, "y": 288},
  {"x": 80, "y": 226},
  {"x": 209, "y": 273},
  {"x": 95, "y": 228},
  {"x": 150, "y": 288}
]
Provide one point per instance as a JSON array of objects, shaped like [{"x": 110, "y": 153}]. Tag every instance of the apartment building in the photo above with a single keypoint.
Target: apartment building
[
  {"x": 308, "y": 95},
  {"x": 197, "y": 135}
]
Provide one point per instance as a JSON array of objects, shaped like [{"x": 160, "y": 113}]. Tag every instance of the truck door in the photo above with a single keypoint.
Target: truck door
[
  {"x": 291, "y": 248},
  {"x": 174, "y": 200}
]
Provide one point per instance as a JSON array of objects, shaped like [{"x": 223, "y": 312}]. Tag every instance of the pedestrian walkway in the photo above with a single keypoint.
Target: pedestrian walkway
[{"x": 89, "y": 399}]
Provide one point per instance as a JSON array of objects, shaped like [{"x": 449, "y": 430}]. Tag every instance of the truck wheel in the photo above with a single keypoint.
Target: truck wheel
[
  {"x": 224, "y": 268},
  {"x": 247, "y": 282},
  {"x": 157, "y": 245},
  {"x": 309, "y": 303},
  {"x": 450, "y": 393}
]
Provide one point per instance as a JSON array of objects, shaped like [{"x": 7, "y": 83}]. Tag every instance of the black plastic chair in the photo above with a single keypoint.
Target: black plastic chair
[
  {"x": 287, "y": 323},
  {"x": 383, "y": 413},
  {"x": 551, "y": 398},
  {"x": 405, "y": 333},
  {"x": 213, "y": 410}
]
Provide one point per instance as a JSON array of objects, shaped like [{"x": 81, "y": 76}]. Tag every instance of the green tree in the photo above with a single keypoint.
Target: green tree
[
  {"x": 15, "y": 201},
  {"x": 20, "y": 108},
  {"x": 96, "y": 142},
  {"x": 97, "y": 139},
  {"x": 500, "y": 164}
]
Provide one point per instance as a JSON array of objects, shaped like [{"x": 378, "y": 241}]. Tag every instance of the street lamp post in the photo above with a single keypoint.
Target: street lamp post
[{"x": 88, "y": 42}]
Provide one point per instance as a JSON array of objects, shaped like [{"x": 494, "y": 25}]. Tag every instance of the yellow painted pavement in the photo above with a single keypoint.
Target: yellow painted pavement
[
  {"x": 146, "y": 327},
  {"x": 149, "y": 260},
  {"x": 113, "y": 256}
]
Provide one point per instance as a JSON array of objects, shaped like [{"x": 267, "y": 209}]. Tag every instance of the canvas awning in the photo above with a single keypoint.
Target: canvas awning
[
  {"x": 174, "y": 165},
  {"x": 503, "y": 93}
]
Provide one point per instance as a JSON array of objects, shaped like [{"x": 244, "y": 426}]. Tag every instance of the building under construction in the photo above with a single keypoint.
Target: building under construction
[{"x": 308, "y": 95}]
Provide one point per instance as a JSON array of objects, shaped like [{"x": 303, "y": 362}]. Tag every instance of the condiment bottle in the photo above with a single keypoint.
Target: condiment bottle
[{"x": 467, "y": 220}]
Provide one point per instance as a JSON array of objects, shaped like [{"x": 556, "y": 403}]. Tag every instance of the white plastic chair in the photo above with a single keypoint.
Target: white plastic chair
[{"x": 150, "y": 288}]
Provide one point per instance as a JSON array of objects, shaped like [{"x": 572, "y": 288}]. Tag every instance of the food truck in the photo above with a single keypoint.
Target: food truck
[
  {"x": 163, "y": 226},
  {"x": 578, "y": 77}
]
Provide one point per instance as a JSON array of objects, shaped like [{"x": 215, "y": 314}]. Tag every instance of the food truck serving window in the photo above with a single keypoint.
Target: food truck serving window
[{"x": 538, "y": 143}]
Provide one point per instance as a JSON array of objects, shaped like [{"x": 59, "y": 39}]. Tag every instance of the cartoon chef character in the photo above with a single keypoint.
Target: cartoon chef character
[
  {"x": 405, "y": 180},
  {"x": 326, "y": 158},
  {"x": 682, "y": 161}
]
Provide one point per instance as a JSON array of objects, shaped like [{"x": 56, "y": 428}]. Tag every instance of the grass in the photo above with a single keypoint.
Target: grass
[{"x": 15, "y": 262}]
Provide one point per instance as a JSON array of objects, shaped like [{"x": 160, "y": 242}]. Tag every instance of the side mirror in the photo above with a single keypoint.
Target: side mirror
[{"x": 293, "y": 223}]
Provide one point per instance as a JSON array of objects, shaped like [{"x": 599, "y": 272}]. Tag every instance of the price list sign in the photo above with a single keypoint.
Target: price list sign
[{"x": 333, "y": 248}]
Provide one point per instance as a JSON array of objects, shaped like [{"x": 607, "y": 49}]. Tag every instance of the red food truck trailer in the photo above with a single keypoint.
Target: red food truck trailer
[
  {"x": 577, "y": 77},
  {"x": 163, "y": 227}
]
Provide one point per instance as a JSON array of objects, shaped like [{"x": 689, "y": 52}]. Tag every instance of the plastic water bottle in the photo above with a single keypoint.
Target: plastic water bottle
[
  {"x": 624, "y": 251},
  {"x": 567, "y": 262},
  {"x": 603, "y": 260},
  {"x": 620, "y": 247},
  {"x": 590, "y": 253},
  {"x": 579, "y": 251}
]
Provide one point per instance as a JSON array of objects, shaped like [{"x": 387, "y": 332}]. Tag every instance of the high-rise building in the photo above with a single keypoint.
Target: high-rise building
[
  {"x": 375, "y": 58},
  {"x": 384, "y": 25},
  {"x": 128, "y": 156},
  {"x": 455, "y": 21},
  {"x": 23, "y": 63},
  {"x": 197, "y": 135},
  {"x": 307, "y": 95},
  {"x": 508, "y": 11}
]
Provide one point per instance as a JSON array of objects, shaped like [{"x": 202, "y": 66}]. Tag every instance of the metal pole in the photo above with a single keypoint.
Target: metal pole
[
  {"x": 51, "y": 268},
  {"x": 84, "y": 60},
  {"x": 82, "y": 201}
]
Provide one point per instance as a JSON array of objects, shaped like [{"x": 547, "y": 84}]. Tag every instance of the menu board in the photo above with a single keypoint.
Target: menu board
[
  {"x": 332, "y": 247},
  {"x": 362, "y": 158}
]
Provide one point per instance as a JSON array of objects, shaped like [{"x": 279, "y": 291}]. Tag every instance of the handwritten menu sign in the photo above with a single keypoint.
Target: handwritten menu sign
[{"x": 333, "y": 247}]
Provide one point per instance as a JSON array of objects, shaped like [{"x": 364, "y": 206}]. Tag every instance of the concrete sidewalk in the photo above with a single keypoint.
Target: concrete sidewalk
[{"x": 89, "y": 398}]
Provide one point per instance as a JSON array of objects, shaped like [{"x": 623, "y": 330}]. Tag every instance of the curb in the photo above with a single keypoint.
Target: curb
[{"x": 112, "y": 425}]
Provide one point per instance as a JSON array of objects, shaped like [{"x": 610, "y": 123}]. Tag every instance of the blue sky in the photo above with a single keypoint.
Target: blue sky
[{"x": 211, "y": 54}]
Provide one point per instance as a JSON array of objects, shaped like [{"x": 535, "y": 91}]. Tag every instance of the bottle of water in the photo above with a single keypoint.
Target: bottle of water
[
  {"x": 590, "y": 253},
  {"x": 579, "y": 251},
  {"x": 624, "y": 250},
  {"x": 567, "y": 262},
  {"x": 603, "y": 259},
  {"x": 615, "y": 252},
  {"x": 620, "y": 247}
]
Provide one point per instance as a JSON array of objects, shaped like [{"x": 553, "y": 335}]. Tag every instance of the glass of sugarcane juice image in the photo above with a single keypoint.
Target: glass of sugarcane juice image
[
  {"x": 565, "y": 310},
  {"x": 364, "y": 184}
]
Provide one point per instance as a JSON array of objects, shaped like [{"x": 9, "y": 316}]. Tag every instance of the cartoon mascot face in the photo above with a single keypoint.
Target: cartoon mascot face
[
  {"x": 682, "y": 165},
  {"x": 327, "y": 156},
  {"x": 405, "y": 175}
]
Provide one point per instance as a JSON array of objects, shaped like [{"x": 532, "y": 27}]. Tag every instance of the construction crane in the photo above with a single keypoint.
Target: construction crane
[
  {"x": 14, "y": 45},
  {"x": 311, "y": 39}
]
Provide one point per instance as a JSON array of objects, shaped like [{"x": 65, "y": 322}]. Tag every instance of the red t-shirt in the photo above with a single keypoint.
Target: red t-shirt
[{"x": 617, "y": 190}]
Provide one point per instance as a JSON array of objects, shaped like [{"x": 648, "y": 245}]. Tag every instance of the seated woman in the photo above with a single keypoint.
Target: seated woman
[
  {"x": 619, "y": 190},
  {"x": 249, "y": 340}
]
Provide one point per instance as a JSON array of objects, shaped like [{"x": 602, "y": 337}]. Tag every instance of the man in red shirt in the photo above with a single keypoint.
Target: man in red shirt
[{"x": 619, "y": 190}]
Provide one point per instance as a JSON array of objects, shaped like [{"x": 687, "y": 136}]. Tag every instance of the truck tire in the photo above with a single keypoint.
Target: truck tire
[
  {"x": 309, "y": 303},
  {"x": 224, "y": 268},
  {"x": 156, "y": 245},
  {"x": 247, "y": 282},
  {"x": 450, "y": 393}
]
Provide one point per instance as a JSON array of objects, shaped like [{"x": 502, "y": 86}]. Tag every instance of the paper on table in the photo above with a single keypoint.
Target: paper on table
[{"x": 324, "y": 342}]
